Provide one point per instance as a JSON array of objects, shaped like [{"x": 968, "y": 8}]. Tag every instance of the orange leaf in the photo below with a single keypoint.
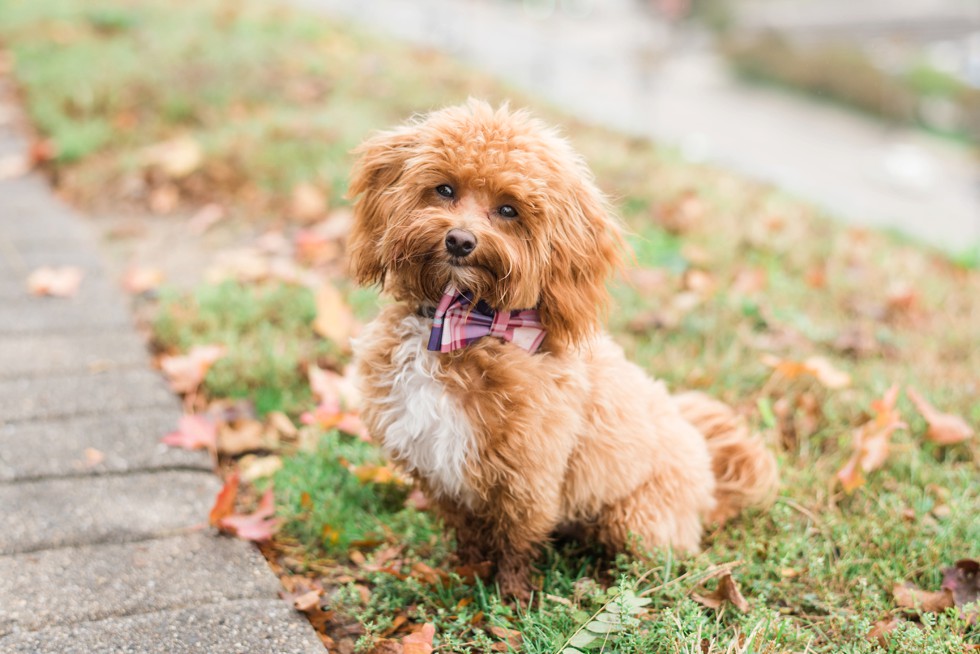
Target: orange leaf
[
  {"x": 421, "y": 641},
  {"x": 872, "y": 441},
  {"x": 224, "y": 503},
  {"x": 943, "y": 428},
  {"x": 374, "y": 474}
]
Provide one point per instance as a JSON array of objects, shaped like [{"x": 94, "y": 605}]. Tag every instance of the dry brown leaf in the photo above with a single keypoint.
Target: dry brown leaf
[
  {"x": 253, "y": 467},
  {"x": 909, "y": 597},
  {"x": 963, "y": 581},
  {"x": 13, "y": 166},
  {"x": 817, "y": 367},
  {"x": 307, "y": 203},
  {"x": 138, "y": 280},
  {"x": 63, "y": 281},
  {"x": 334, "y": 319},
  {"x": 942, "y": 428},
  {"x": 245, "y": 436},
  {"x": 881, "y": 628},
  {"x": 186, "y": 372},
  {"x": 871, "y": 441},
  {"x": 681, "y": 213},
  {"x": 282, "y": 424},
  {"x": 308, "y": 601},
  {"x": 511, "y": 637},
  {"x": 727, "y": 591},
  {"x": 175, "y": 158},
  {"x": 421, "y": 641}
]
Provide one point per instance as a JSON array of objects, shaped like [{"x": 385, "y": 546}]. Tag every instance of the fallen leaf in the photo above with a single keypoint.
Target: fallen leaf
[
  {"x": 417, "y": 500},
  {"x": 194, "y": 432},
  {"x": 942, "y": 428},
  {"x": 334, "y": 319},
  {"x": 57, "y": 282},
  {"x": 260, "y": 525},
  {"x": 164, "y": 199},
  {"x": 186, "y": 372},
  {"x": 13, "y": 166},
  {"x": 909, "y": 597},
  {"x": 387, "y": 646},
  {"x": 282, "y": 424},
  {"x": 818, "y": 367},
  {"x": 244, "y": 436},
  {"x": 511, "y": 638},
  {"x": 881, "y": 628},
  {"x": 140, "y": 280},
  {"x": 351, "y": 424},
  {"x": 727, "y": 591},
  {"x": 224, "y": 503},
  {"x": 175, "y": 158},
  {"x": 963, "y": 581},
  {"x": 681, "y": 213},
  {"x": 871, "y": 441},
  {"x": 373, "y": 474},
  {"x": 42, "y": 151},
  {"x": 93, "y": 457},
  {"x": 253, "y": 467},
  {"x": 307, "y": 203},
  {"x": 313, "y": 248},
  {"x": 309, "y": 601},
  {"x": 421, "y": 641}
]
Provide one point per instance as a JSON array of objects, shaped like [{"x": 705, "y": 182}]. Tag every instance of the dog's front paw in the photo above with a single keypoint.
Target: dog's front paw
[{"x": 515, "y": 584}]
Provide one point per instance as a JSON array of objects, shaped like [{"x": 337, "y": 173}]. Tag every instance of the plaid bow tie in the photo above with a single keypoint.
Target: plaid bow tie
[{"x": 457, "y": 323}]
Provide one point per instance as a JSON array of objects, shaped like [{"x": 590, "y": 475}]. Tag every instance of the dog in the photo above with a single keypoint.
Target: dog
[{"x": 490, "y": 379}]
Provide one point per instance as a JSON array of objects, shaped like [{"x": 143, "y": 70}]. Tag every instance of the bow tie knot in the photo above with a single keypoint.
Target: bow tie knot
[{"x": 457, "y": 323}]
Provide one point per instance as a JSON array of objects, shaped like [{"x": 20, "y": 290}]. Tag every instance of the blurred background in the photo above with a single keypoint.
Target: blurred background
[{"x": 869, "y": 109}]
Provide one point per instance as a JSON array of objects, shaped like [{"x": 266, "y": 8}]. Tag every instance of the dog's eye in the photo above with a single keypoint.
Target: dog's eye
[
  {"x": 507, "y": 211},
  {"x": 445, "y": 190}
]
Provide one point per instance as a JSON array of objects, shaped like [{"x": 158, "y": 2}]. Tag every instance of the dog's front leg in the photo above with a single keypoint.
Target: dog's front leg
[{"x": 521, "y": 526}]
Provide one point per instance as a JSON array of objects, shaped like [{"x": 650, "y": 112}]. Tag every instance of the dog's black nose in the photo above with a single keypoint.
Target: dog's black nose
[{"x": 460, "y": 242}]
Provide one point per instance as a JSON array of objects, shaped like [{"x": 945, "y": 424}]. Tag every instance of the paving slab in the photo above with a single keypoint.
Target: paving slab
[
  {"x": 126, "y": 442},
  {"x": 83, "y": 394},
  {"x": 28, "y": 315},
  {"x": 48, "y": 354},
  {"x": 71, "y": 585},
  {"x": 239, "y": 627},
  {"x": 29, "y": 212},
  {"x": 51, "y": 513}
]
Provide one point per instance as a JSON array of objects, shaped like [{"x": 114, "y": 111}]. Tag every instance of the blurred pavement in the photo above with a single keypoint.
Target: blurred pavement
[
  {"x": 104, "y": 546},
  {"x": 611, "y": 62}
]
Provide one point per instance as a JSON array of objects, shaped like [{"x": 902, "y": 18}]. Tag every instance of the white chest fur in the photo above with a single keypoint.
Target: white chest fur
[{"x": 423, "y": 426}]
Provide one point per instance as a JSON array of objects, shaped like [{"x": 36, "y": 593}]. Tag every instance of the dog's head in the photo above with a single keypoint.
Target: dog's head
[{"x": 488, "y": 201}]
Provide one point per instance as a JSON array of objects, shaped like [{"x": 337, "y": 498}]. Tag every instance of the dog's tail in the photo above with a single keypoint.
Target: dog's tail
[{"x": 745, "y": 470}]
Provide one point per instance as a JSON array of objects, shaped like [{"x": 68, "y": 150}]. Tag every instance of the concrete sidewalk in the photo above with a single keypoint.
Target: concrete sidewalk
[{"x": 105, "y": 554}]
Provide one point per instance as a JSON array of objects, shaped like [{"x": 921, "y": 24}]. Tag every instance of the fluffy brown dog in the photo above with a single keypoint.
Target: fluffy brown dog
[{"x": 513, "y": 441}]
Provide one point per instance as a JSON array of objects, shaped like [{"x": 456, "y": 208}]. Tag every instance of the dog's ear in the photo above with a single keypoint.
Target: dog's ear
[
  {"x": 586, "y": 247},
  {"x": 379, "y": 165}
]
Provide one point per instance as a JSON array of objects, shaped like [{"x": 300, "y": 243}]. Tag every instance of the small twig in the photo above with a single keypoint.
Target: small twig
[{"x": 710, "y": 573}]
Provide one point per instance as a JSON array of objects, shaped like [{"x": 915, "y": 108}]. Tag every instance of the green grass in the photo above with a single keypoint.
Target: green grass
[
  {"x": 266, "y": 329},
  {"x": 277, "y": 99}
]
